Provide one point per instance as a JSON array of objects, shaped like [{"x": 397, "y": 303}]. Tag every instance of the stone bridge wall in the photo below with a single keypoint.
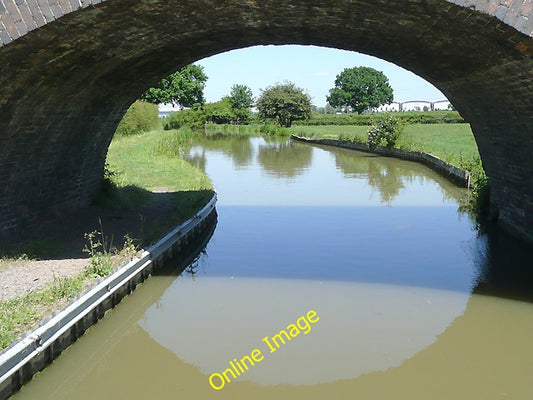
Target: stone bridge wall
[{"x": 70, "y": 68}]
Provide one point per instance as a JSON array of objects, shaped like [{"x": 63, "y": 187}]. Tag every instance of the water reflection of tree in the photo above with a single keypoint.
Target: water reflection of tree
[
  {"x": 237, "y": 147},
  {"x": 385, "y": 178},
  {"x": 389, "y": 175},
  {"x": 285, "y": 159},
  {"x": 382, "y": 175},
  {"x": 196, "y": 159}
]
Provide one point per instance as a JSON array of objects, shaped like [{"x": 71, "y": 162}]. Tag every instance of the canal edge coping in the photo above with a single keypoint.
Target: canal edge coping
[
  {"x": 33, "y": 353},
  {"x": 455, "y": 174}
]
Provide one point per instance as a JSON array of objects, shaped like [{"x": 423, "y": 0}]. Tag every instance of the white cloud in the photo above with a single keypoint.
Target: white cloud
[{"x": 321, "y": 74}]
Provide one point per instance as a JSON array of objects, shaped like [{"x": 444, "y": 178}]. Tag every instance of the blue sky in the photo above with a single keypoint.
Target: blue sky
[{"x": 309, "y": 67}]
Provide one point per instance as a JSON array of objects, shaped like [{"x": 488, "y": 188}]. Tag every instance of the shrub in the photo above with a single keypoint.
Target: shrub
[
  {"x": 385, "y": 131},
  {"x": 274, "y": 130},
  {"x": 191, "y": 118},
  {"x": 140, "y": 117},
  {"x": 219, "y": 112}
]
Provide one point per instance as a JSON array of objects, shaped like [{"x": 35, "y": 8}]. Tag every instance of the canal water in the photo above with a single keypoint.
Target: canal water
[{"x": 331, "y": 274}]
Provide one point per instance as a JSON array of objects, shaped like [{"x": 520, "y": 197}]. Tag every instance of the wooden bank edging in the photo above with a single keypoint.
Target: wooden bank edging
[
  {"x": 450, "y": 171},
  {"x": 19, "y": 362}
]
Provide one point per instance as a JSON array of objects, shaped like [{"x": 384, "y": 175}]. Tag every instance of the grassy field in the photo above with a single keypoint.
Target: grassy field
[
  {"x": 451, "y": 142},
  {"x": 136, "y": 161}
]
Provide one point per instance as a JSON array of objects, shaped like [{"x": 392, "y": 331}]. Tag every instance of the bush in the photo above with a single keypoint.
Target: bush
[
  {"x": 140, "y": 117},
  {"x": 219, "y": 112},
  {"x": 385, "y": 131},
  {"x": 194, "y": 119}
]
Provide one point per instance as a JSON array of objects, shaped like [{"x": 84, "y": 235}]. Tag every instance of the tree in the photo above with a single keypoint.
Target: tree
[
  {"x": 220, "y": 112},
  {"x": 241, "y": 99},
  {"x": 360, "y": 88},
  {"x": 184, "y": 88},
  {"x": 284, "y": 103}
]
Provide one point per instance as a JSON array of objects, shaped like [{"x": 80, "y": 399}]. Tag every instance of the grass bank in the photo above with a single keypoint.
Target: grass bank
[
  {"x": 446, "y": 141},
  {"x": 136, "y": 161},
  {"x": 140, "y": 179}
]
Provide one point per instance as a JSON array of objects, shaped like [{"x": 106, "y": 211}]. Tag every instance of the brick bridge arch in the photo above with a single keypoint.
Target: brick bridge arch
[{"x": 70, "y": 68}]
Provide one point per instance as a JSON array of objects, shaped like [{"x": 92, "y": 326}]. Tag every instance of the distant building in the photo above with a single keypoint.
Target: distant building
[
  {"x": 166, "y": 109},
  {"x": 414, "y": 105},
  {"x": 393, "y": 107}
]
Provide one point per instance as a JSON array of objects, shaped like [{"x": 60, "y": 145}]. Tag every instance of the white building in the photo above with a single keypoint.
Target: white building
[{"x": 166, "y": 109}]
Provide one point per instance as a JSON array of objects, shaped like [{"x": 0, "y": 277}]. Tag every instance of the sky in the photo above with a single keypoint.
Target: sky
[{"x": 309, "y": 67}]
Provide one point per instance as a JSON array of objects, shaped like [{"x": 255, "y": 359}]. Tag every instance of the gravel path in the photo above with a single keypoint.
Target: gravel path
[{"x": 25, "y": 276}]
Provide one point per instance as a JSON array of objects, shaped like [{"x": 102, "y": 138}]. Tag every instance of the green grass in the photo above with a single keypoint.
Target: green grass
[
  {"x": 447, "y": 141},
  {"x": 135, "y": 162},
  {"x": 233, "y": 130},
  {"x": 346, "y": 132},
  {"x": 451, "y": 142},
  {"x": 254, "y": 129},
  {"x": 21, "y": 314}
]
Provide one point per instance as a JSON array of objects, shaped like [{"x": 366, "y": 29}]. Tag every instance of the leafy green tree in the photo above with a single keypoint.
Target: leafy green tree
[
  {"x": 241, "y": 96},
  {"x": 219, "y": 112},
  {"x": 360, "y": 88},
  {"x": 241, "y": 99},
  {"x": 184, "y": 88},
  {"x": 284, "y": 103}
]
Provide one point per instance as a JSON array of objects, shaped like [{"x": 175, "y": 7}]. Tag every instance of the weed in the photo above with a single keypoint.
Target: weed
[
  {"x": 175, "y": 142},
  {"x": 129, "y": 249},
  {"x": 64, "y": 288},
  {"x": 15, "y": 318},
  {"x": 99, "y": 252}
]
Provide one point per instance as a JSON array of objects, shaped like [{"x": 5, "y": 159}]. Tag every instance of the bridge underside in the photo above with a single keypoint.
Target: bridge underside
[{"x": 65, "y": 86}]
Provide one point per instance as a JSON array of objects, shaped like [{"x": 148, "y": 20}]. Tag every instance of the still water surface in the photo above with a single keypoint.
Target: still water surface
[{"x": 412, "y": 302}]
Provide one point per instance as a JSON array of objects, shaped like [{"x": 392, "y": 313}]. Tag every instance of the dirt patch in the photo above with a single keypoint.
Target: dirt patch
[{"x": 24, "y": 277}]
